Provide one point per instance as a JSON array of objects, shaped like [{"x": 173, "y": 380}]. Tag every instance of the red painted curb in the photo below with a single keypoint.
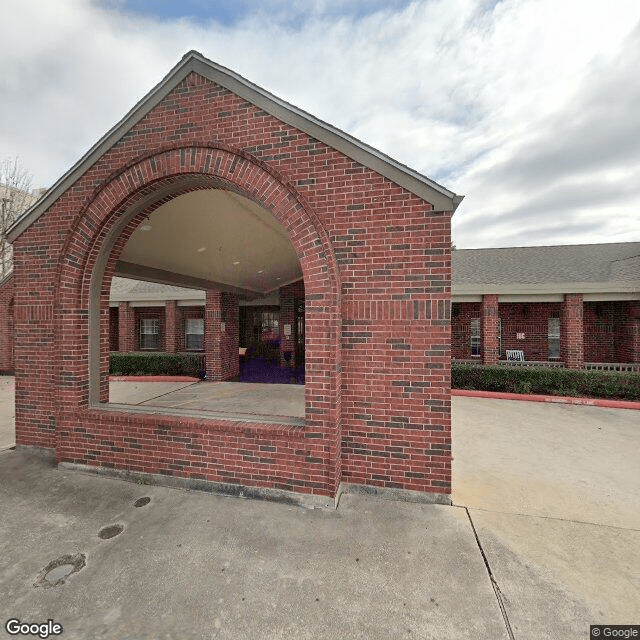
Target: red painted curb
[
  {"x": 591, "y": 402},
  {"x": 153, "y": 379}
]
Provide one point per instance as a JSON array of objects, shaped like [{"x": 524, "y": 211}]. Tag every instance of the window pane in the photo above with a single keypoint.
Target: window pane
[
  {"x": 194, "y": 342},
  {"x": 475, "y": 337},
  {"x": 195, "y": 325},
  {"x": 149, "y": 333},
  {"x": 149, "y": 325},
  {"x": 194, "y": 334},
  {"x": 553, "y": 338}
]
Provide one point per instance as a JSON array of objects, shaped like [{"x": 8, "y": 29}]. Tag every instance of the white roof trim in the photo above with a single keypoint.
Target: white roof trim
[
  {"x": 628, "y": 286},
  {"x": 441, "y": 198}
]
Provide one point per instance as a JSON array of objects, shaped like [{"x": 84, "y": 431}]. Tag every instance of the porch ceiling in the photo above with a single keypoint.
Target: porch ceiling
[{"x": 212, "y": 236}]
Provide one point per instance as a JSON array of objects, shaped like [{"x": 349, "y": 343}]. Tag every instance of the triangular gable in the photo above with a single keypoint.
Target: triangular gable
[{"x": 193, "y": 62}]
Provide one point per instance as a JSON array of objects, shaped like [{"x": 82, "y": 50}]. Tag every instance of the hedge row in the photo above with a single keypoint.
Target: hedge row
[
  {"x": 536, "y": 380},
  {"x": 157, "y": 364},
  {"x": 547, "y": 381}
]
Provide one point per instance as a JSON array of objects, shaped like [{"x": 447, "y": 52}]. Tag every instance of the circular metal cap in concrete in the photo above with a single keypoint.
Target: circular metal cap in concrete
[{"x": 141, "y": 502}]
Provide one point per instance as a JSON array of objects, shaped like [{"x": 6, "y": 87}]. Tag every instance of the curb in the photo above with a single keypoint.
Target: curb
[
  {"x": 590, "y": 402},
  {"x": 153, "y": 379}
]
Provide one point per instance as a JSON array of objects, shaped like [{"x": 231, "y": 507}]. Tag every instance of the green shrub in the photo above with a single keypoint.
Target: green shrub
[
  {"x": 547, "y": 381},
  {"x": 157, "y": 364}
]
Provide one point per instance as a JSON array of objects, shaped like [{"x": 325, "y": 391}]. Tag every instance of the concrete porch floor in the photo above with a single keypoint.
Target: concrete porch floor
[{"x": 239, "y": 400}]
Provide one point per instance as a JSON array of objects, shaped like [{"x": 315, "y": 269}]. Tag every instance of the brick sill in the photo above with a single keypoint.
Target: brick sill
[{"x": 214, "y": 421}]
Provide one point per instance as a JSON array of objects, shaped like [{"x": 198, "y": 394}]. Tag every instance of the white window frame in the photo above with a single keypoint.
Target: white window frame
[
  {"x": 149, "y": 327},
  {"x": 190, "y": 334},
  {"x": 476, "y": 338}
]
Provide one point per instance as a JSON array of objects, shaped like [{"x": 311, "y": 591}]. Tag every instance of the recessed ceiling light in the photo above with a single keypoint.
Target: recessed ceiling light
[
  {"x": 261, "y": 271},
  {"x": 237, "y": 262},
  {"x": 201, "y": 249},
  {"x": 146, "y": 227}
]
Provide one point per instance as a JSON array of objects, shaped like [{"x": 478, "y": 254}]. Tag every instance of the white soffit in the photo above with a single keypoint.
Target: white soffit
[{"x": 218, "y": 236}]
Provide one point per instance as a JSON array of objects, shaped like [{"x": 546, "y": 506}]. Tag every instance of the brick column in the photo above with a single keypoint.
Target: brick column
[
  {"x": 171, "y": 326},
  {"x": 230, "y": 337},
  {"x": 213, "y": 335},
  {"x": 490, "y": 327},
  {"x": 288, "y": 296},
  {"x": 571, "y": 331},
  {"x": 126, "y": 327}
]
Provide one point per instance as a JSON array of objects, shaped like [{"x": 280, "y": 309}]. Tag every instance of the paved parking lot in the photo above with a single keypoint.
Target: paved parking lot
[{"x": 543, "y": 540}]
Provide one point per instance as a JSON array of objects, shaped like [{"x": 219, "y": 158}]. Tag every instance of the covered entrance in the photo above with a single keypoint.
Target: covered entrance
[{"x": 367, "y": 315}]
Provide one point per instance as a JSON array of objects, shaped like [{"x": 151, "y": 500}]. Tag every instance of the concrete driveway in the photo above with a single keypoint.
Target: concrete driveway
[
  {"x": 544, "y": 540},
  {"x": 553, "y": 492}
]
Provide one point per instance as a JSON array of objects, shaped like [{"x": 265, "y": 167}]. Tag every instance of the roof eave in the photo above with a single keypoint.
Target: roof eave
[{"x": 553, "y": 287}]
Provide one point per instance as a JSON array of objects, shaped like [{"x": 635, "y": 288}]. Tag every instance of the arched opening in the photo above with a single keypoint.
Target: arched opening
[
  {"x": 135, "y": 210},
  {"x": 210, "y": 283},
  {"x": 293, "y": 454}
]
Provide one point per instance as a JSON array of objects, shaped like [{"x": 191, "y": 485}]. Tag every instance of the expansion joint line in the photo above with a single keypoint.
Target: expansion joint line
[{"x": 494, "y": 584}]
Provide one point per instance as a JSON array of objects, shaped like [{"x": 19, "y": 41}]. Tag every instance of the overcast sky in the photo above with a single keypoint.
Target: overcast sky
[{"x": 529, "y": 108}]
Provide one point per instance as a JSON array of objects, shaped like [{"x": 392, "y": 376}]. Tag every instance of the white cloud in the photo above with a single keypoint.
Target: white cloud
[{"x": 529, "y": 107}]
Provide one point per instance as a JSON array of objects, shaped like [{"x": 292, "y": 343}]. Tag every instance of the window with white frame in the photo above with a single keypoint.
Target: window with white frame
[
  {"x": 194, "y": 334},
  {"x": 150, "y": 333},
  {"x": 553, "y": 337},
  {"x": 475, "y": 337}
]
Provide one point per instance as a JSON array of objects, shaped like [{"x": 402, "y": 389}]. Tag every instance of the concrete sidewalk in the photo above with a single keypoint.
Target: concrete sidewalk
[
  {"x": 544, "y": 540},
  {"x": 7, "y": 412},
  {"x": 192, "y": 565}
]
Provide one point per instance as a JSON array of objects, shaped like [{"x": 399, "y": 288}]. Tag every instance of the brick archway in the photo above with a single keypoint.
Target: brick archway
[
  {"x": 372, "y": 237},
  {"x": 88, "y": 264}
]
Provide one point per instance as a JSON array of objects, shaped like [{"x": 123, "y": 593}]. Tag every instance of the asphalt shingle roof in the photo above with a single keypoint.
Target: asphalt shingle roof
[{"x": 594, "y": 263}]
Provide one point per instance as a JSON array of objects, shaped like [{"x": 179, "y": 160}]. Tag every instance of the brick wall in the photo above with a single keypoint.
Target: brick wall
[
  {"x": 532, "y": 320},
  {"x": 606, "y": 331},
  {"x": 376, "y": 265},
  {"x": 630, "y": 348},
  {"x": 7, "y": 290},
  {"x": 114, "y": 328},
  {"x": 462, "y": 315}
]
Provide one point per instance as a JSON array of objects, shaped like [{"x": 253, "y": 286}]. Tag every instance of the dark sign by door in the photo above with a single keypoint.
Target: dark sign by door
[{"x": 298, "y": 327}]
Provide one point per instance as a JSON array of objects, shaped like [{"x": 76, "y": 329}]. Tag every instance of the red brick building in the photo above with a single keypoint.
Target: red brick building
[
  {"x": 548, "y": 298},
  {"x": 533, "y": 285},
  {"x": 575, "y": 305},
  {"x": 214, "y": 184}
]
